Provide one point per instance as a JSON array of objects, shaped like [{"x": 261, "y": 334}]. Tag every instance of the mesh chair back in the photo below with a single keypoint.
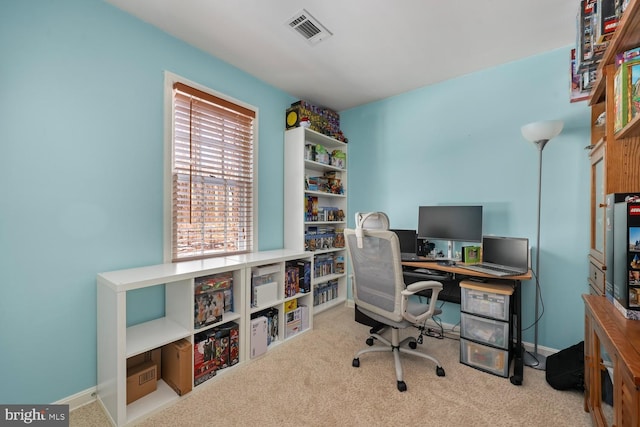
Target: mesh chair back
[{"x": 377, "y": 272}]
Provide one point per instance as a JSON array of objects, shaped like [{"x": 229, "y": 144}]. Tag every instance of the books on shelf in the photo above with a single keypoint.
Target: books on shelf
[
  {"x": 323, "y": 265},
  {"x": 325, "y": 292},
  {"x": 626, "y": 94},
  {"x": 318, "y": 238},
  {"x": 634, "y": 90}
]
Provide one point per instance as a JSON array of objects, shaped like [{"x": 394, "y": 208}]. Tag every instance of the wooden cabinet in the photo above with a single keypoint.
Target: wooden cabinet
[
  {"x": 615, "y": 157},
  {"x": 598, "y": 211},
  {"x": 612, "y": 350},
  {"x": 119, "y": 339},
  {"x": 311, "y": 210}
]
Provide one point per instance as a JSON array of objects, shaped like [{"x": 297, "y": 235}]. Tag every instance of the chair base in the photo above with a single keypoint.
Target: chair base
[{"x": 396, "y": 347}]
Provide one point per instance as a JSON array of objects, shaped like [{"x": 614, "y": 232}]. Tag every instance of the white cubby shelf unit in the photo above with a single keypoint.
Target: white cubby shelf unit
[{"x": 116, "y": 341}]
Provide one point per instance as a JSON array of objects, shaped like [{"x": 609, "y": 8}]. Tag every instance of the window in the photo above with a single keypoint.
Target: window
[{"x": 212, "y": 175}]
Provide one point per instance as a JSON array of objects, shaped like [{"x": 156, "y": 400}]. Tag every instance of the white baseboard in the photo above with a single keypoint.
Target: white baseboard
[
  {"x": 79, "y": 399},
  {"x": 544, "y": 351}
]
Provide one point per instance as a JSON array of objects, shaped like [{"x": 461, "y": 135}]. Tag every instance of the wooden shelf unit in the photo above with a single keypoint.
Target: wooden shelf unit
[
  {"x": 615, "y": 157},
  {"x": 626, "y": 36},
  {"x": 611, "y": 341}
]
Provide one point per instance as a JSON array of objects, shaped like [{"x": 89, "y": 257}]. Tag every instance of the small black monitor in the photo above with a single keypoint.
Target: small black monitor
[
  {"x": 451, "y": 223},
  {"x": 408, "y": 240}
]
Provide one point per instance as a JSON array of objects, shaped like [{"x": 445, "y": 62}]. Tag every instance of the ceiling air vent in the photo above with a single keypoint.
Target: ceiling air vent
[{"x": 308, "y": 27}]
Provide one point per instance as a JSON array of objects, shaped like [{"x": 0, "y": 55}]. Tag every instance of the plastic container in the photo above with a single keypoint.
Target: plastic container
[
  {"x": 485, "y": 358},
  {"x": 482, "y": 330}
]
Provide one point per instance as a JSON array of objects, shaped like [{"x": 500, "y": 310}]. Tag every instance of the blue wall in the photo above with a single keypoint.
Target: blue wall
[
  {"x": 81, "y": 113},
  {"x": 459, "y": 142}
]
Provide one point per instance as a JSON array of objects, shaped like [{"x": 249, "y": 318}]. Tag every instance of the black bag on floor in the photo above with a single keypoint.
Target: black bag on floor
[{"x": 565, "y": 369}]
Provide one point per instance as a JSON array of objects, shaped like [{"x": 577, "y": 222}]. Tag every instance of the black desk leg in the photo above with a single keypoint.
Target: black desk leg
[{"x": 518, "y": 360}]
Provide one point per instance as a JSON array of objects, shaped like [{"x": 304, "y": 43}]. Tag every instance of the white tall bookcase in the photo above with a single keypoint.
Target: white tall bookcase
[{"x": 297, "y": 168}]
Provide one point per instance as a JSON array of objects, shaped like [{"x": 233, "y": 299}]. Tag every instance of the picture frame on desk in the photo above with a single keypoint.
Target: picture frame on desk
[{"x": 470, "y": 254}]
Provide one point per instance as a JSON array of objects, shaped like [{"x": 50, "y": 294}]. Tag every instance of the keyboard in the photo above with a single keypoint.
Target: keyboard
[{"x": 488, "y": 269}]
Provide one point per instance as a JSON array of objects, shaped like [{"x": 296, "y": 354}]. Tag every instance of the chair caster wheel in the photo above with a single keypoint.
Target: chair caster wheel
[
  {"x": 413, "y": 345},
  {"x": 369, "y": 341},
  {"x": 402, "y": 386},
  {"x": 356, "y": 363},
  {"x": 440, "y": 371}
]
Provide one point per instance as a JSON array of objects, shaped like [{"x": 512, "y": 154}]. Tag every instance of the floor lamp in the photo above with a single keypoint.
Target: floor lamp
[{"x": 539, "y": 133}]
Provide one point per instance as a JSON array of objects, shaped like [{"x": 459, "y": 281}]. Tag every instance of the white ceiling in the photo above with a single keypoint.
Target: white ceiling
[{"x": 379, "y": 48}]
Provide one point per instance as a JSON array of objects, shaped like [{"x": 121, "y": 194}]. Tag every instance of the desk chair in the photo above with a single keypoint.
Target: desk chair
[{"x": 380, "y": 293}]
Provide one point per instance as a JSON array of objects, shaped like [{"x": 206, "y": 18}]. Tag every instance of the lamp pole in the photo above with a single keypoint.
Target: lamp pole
[
  {"x": 539, "y": 361},
  {"x": 539, "y": 133}
]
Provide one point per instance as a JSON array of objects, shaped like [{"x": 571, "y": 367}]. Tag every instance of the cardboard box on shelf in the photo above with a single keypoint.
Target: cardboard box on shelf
[
  {"x": 176, "y": 366},
  {"x": 258, "y": 336},
  {"x": 142, "y": 379},
  {"x": 154, "y": 355}
]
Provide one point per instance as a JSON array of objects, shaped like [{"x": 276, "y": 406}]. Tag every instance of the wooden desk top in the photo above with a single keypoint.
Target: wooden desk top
[{"x": 432, "y": 265}]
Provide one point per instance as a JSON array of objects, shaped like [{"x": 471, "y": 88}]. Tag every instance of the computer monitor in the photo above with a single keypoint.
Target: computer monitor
[
  {"x": 450, "y": 223},
  {"x": 506, "y": 251},
  {"x": 408, "y": 241}
]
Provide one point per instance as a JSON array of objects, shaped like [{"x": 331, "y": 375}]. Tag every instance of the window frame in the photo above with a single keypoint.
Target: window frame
[{"x": 169, "y": 113}]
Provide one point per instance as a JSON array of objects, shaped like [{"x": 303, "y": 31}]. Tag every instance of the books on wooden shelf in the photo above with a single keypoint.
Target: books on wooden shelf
[{"x": 626, "y": 88}]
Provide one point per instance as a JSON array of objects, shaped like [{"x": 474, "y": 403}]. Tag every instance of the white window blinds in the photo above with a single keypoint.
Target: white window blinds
[{"x": 213, "y": 174}]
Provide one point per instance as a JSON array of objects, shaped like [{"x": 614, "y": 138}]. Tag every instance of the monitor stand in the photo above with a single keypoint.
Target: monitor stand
[
  {"x": 449, "y": 260},
  {"x": 450, "y": 250}
]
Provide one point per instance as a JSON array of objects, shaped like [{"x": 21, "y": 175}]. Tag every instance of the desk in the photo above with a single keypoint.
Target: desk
[{"x": 518, "y": 351}]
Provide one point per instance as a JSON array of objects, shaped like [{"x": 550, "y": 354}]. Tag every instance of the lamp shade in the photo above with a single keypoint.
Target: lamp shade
[{"x": 542, "y": 131}]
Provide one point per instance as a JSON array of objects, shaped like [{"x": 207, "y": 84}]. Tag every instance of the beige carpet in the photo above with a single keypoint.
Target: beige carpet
[{"x": 309, "y": 381}]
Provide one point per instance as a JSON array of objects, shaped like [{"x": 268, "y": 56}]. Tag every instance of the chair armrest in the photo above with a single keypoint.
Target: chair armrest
[
  {"x": 413, "y": 288},
  {"x": 421, "y": 286}
]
